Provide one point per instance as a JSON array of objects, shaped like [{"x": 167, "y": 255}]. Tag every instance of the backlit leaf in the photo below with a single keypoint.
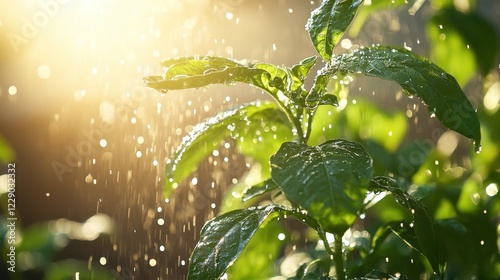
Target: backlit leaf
[
  {"x": 328, "y": 23},
  {"x": 259, "y": 189},
  {"x": 195, "y": 72},
  {"x": 416, "y": 75},
  {"x": 207, "y": 136}
]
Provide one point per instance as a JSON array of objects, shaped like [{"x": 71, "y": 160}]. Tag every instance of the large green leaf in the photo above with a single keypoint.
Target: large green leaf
[
  {"x": 225, "y": 237},
  {"x": 330, "y": 180},
  {"x": 422, "y": 228},
  {"x": 328, "y": 23},
  {"x": 195, "y": 72},
  {"x": 207, "y": 136},
  {"x": 416, "y": 75}
]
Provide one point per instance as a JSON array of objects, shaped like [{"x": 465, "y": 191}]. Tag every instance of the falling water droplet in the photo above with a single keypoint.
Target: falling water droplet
[
  {"x": 88, "y": 179},
  {"x": 478, "y": 148}
]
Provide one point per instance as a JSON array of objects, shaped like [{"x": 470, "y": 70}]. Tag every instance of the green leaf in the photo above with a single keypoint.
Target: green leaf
[
  {"x": 225, "y": 237},
  {"x": 279, "y": 77},
  {"x": 195, "y": 72},
  {"x": 207, "y": 136},
  {"x": 330, "y": 180},
  {"x": 329, "y": 99},
  {"x": 380, "y": 235},
  {"x": 416, "y": 75},
  {"x": 259, "y": 189},
  {"x": 222, "y": 241},
  {"x": 320, "y": 89},
  {"x": 196, "y": 65},
  {"x": 299, "y": 73},
  {"x": 328, "y": 23},
  {"x": 446, "y": 46},
  {"x": 473, "y": 31},
  {"x": 462, "y": 256},
  {"x": 423, "y": 226}
]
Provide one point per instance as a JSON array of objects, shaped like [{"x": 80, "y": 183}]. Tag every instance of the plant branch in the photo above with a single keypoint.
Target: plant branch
[{"x": 338, "y": 257}]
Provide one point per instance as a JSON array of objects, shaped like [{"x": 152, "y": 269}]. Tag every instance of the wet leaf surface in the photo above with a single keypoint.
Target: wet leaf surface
[
  {"x": 195, "y": 72},
  {"x": 225, "y": 237},
  {"x": 330, "y": 180},
  {"x": 328, "y": 23},
  {"x": 416, "y": 75}
]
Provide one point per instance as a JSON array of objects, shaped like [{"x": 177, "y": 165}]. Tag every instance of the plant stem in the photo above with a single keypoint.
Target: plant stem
[
  {"x": 310, "y": 117},
  {"x": 338, "y": 257},
  {"x": 294, "y": 120}
]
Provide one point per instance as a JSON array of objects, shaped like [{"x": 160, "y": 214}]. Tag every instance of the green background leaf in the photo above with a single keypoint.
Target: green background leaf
[{"x": 461, "y": 41}]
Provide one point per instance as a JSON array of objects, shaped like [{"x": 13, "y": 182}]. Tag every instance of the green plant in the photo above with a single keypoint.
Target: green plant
[{"x": 328, "y": 185}]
